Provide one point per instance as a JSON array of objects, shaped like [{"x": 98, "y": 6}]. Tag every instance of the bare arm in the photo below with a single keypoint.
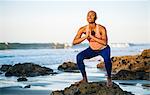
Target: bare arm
[
  {"x": 78, "y": 39},
  {"x": 103, "y": 39}
]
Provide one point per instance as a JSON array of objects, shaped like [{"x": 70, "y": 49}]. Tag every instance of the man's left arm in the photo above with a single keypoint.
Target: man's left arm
[{"x": 103, "y": 39}]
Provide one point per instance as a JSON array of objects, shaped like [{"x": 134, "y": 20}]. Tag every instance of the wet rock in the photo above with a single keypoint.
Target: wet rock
[
  {"x": 4, "y": 68},
  {"x": 146, "y": 85},
  {"x": 22, "y": 79},
  {"x": 1, "y": 72},
  {"x": 27, "y": 86},
  {"x": 68, "y": 67},
  {"x": 92, "y": 88},
  {"x": 130, "y": 63},
  {"x": 127, "y": 83},
  {"x": 131, "y": 75},
  {"x": 28, "y": 70}
]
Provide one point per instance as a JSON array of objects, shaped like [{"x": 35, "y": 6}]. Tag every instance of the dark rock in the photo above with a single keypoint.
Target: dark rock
[
  {"x": 68, "y": 67},
  {"x": 28, "y": 70},
  {"x": 1, "y": 73},
  {"x": 146, "y": 85},
  {"x": 127, "y": 83},
  {"x": 130, "y": 63},
  {"x": 4, "y": 68},
  {"x": 54, "y": 73},
  {"x": 22, "y": 79},
  {"x": 27, "y": 86},
  {"x": 92, "y": 88},
  {"x": 130, "y": 75}
]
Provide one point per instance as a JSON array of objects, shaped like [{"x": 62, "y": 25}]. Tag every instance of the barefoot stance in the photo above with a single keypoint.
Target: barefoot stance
[
  {"x": 81, "y": 81},
  {"x": 96, "y": 35}
]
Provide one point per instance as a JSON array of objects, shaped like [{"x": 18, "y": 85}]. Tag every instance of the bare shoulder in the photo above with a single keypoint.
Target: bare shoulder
[
  {"x": 101, "y": 27},
  {"x": 82, "y": 29}
]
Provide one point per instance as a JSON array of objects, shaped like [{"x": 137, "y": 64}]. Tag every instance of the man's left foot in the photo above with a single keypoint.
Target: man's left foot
[
  {"x": 81, "y": 81},
  {"x": 109, "y": 82}
]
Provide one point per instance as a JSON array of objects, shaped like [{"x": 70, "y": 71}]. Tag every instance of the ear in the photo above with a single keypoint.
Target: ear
[{"x": 95, "y": 18}]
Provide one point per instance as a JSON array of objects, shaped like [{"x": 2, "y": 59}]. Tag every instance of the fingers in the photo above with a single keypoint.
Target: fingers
[{"x": 87, "y": 33}]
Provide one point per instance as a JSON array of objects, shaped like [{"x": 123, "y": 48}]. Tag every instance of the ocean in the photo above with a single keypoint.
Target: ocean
[{"x": 52, "y": 58}]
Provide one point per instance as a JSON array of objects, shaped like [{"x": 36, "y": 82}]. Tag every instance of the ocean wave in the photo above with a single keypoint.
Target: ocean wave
[
  {"x": 127, "y": 44},
  {"x": 6, "y": 56},
  {"x": 119, "y": 44}
]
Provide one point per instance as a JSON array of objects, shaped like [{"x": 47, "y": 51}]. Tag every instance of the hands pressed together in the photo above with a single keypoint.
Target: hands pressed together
[{"x": 90, "y": 35}]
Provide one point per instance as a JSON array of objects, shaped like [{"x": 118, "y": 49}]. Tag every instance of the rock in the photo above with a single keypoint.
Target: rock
[
  {"x": 127, "y": 83},
  {"x": 68, "y": 67},
  {"x": 28, "y": 70},
  {"x": 130, "y": 75},
  {"x": 146, "y": 53},
  {"x": 92, "y": 88},
  {"x": 101, "y": 65},
  {"x": 22, "y": 79},
  {"x": 146, "y": 85},
  {"x": 130, "y": 63},
  {"x": 27, "y": 86},
  {"x": 1, "y": 73},
  {"x": 4, "y": 68}
]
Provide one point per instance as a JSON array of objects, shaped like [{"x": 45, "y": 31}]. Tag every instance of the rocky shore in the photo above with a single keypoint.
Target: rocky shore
[
  {"x": 131, "y": 67},
  {"x": 25, "y": 70},
  {"x": 134, "y": 67},
  {"x": 91, "y": 88},
  {"x": 131, "y": 75}
]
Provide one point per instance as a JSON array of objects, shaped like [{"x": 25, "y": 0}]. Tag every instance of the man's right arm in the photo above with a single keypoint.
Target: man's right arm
[{"x": 78, "y": 39}]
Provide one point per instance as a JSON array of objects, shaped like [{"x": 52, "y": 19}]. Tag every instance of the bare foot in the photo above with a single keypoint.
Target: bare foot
[
  {"x": 81, "y": 81},
  {"x": 109, "y": 82}
]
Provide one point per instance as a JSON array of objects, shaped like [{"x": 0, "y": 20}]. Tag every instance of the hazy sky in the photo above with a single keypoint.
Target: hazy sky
[{"x": 59, "y": 21}]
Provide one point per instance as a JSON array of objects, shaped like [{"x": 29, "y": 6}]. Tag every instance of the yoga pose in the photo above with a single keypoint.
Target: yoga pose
[{"x": 96, "y": 34}]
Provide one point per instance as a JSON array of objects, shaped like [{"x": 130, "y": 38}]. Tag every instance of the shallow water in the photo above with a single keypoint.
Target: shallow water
[{"x": 52, "y": 58}]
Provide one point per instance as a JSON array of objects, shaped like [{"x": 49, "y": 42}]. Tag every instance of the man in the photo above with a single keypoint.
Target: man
[{"x": 97, "y": 37}]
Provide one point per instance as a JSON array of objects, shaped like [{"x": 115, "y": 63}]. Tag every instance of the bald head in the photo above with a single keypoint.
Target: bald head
[{"x": 91, "y": 16}]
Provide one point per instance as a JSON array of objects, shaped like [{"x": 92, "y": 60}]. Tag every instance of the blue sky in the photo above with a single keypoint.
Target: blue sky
[{"x": 59, "y": 21}]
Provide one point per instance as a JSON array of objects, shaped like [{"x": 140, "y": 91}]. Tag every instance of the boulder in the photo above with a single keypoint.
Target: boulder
[
  {"x": 22, "y": 79},
  {"x": 130, "y": 63},
  {"x": 91, "y": 88},
  {"x": 101, "y": 65},
  {"x": 4, "y": 68},
  {"x": 130, "y": 75},
  {"x": 1, "y": 72},
  {"x": 28, "y": 70},
  {"x": 68, "y": 67},
  {"x": 128, "y": 84},
  {"x": 27, "y": 86},
  {"x": 146, "y": 85},
  {"x": 146, "y": 53}
]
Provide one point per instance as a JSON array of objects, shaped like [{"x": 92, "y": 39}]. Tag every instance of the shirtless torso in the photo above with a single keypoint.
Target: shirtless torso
[{"x": 95, "y": 34}]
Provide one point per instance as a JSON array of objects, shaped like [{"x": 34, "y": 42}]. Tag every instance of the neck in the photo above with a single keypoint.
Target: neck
[{"x": 92, "y": 24}]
